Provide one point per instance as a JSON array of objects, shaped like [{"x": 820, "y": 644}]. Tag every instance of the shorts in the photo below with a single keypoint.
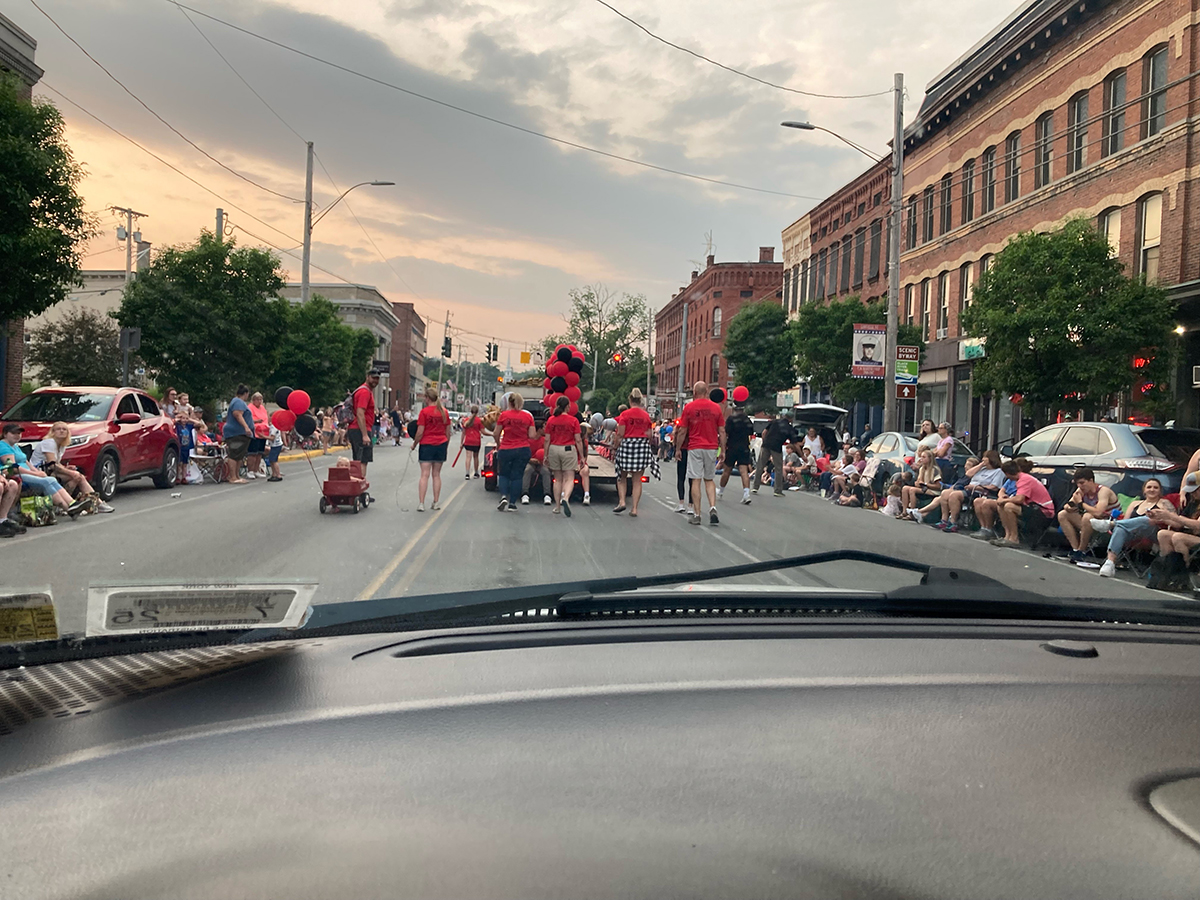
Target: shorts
[
  {"x": 185, "y": 453},
  {"x": 258, "y": 446},
  {"x": 702, "y": 464},
  {"x": 273, "y": 455},
  {"x": 237, "y": 446},
  {"x": 432, "y": 452},
  {"x": 46, "y": 486},
  {"x": 562, "y": 459},
  {"x": 738, "y": 455},
  {"x": 360, "y": 450},
  {"x": 471, "y": 448}
]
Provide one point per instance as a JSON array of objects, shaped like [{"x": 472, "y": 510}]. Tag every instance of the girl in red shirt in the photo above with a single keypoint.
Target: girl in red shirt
[
  {"x": 433, "y": 425},
  {"x": 514, "y": 430},
  {"x": 563, "y": 449},
  {"x": 472, "y": 437},
  {"x": 633, "y": 453}
]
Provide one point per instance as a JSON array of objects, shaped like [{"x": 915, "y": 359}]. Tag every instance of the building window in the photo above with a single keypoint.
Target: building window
[
  {"x": 787, "y": 283},
  {"x": 926, "y": 309},
  {"x": 1077, "y": 129},
  {"x": 1149, "y": 232},
  {"x": 804, "y": 282},
  {"x": 947, "y": 196},
  {"x": 797, "y": 285},
  {"x": 716, "y": 322},
  {"x": 746, "y": 295},
  {"x": 985, "y": 263},
  {"x": 966, "y": 288},
  {"x": 911, "y": 240},
  {"x": 927, "y": 215},
  {"x": 1012, "y": 167},
  {"x": 819, "y": 293},
  {"x": 1043, "y": 137},
  {"x": 878, "y": 198},
  {"x": 1155, "y": 88},
  {"x": 968, "y": 191},
  {"x": 943, "y": 305},
  {"x": 908, "y": 304},
  {"x": 876, "y": 241},
  {"x": 988, "y": 187},
  {"x": 847, "y": 245},
  {"x": 862, "y": 208},
  {"x": 860, "y": 249},
  {"x": 716, "y": 370},
  {"x": 1114, "y": 114},
  {"x": 1110, "y": 227},
  {"x": 835, "y": 261},
  {"x": 716, "y": 295}
]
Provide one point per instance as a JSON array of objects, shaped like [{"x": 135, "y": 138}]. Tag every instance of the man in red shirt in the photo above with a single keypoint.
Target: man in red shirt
[
  {"x": 702, "y": 426},
  {"x": 358, "y": 433}
]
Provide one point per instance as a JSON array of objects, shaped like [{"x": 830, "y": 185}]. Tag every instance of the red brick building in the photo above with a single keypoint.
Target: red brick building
[
  {"x": 408, "y": 356},
  {"x": 712, "y": 299},
  {"x": 1067, "y": 109}
]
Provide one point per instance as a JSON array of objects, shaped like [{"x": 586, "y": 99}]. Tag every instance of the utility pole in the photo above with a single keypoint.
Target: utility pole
[
  {"x": 129, "y": 238},
  {"x": 890, "y": 402},
  {"x": 458, "y": 377},
  {"x": 682, "y": 359},
  {"x": 445, "y": 334},
  {"x": 220, "y": 224},
  {"x": 649, "y": 349},
  {"x": 308, "y": 172}
]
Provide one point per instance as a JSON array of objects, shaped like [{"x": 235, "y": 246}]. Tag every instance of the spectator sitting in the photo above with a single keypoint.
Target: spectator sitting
[
  {"x": 1019, "y": 490},
  {"x": 33, "y": 477},
  {"x": 793, "y": 467},
  {"x": 928, "y": 483},
  {"x": 982, "y": 478},
  {"x": 1179, "y": 533},
  {"x": 10, "y": 493},
  {"x": 1136, "y": 523},
  {"x": 47, "y": 456},
  {"x": 851, "y": 467},
  {"x": 894, "y": 506},
  {"x": 814, "y": 443},
  {"x": 943, "y": 453},
  {"x": 834, "y": 469},
  {"x": 1090, "y": 501}
]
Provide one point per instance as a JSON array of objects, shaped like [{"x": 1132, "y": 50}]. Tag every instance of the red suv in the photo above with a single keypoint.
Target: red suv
[{"x": 116, "y": 433}]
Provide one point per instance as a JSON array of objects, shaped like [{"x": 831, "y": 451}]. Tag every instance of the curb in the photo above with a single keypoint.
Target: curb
[{"x": 306, "y": 454}]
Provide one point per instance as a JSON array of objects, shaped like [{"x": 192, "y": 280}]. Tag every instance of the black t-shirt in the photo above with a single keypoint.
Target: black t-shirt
[
  {"x": 738, "y": 429},
  {"x": 777, "y": 433}
]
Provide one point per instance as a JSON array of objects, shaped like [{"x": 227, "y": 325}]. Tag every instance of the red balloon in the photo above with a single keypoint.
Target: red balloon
[
  {"x": 741, "y": 393},
  {"x": 539, "y": 454},
  {"x": 573, "y": 394},
  {"x": 572, "y": 379},
  {"x": 299, "y": 402},
  {"x": 556, "y": 369},
  {"x": 573, "y": 409},
  {"x": 283, "y": 419},
  {"x": 579, "y": 354},
  {"x": 546, "y": 384}
]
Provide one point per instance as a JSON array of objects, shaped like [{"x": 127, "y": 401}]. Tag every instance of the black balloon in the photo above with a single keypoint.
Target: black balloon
[
  {"x": 412, "y": 429},
  {"x": 575, "y": 364},
  {"x": 717, "y": 395},
  {"x": 281, "y": 395},
  {"x": 558, "y": 384},
  {"x": 564, "y": 354},
  {"x": 305, "y": 425}
]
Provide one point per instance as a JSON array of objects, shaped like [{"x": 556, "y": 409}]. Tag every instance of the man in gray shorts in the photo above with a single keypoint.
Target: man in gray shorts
[
  {"x": 237, "y": 431},
  {"x": 702, "y": 425}
]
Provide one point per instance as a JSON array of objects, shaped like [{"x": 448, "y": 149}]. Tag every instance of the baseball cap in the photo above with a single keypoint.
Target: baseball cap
[
  {"x": 10, "y": 427},
  {"x": 374, "y": 372}
]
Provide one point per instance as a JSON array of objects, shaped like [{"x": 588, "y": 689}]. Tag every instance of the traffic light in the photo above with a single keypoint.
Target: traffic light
[
  {"x": 493, "y": 352},
  {"x": 446, "y": 347},
  {"x": 617, "y": 360}
]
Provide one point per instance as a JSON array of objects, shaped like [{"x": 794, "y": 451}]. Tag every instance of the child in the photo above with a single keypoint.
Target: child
[
  {"x": 275, "y": 445},
  {"x": 893, "y": 508}
]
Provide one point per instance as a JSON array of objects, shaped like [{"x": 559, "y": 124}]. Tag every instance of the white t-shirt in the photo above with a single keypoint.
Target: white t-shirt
[
  {"x": 38, "y": 458},
  {"x": 929, "y": 442},
  {"x": 813, "y": 444}
]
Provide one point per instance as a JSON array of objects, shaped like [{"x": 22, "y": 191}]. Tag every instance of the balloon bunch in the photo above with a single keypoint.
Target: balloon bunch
[
  {"x": 563, "y": 369},
  {"x": 293, "y": 412}
]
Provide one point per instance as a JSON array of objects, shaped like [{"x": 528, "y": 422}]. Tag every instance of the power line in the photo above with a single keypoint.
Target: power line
[
  {"x": 145, "y": 106},
  {"x": 292, "y": 255},
  {"x": 721, "y": 65},
  {"x": 495, "y": 121}
]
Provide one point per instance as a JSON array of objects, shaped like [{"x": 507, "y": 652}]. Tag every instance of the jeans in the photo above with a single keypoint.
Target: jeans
[
  {"x": 532, "y": 472},
  {"x": 775, "y": 458},
  {"x": 47, "y": 486},
  {"x": 510, "y": 466},
  {"x": 1125, "y": 530},
  {"x": 826, "y": 481}
]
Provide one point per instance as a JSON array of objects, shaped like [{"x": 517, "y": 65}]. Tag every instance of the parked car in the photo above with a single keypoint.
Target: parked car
[
  {"x": 116, "y": 433},
  {"x": 901, "y": 450},
  {"x": 1123, "y": 456}
]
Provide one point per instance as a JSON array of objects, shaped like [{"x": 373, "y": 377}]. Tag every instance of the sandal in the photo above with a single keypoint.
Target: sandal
[
  {"x": 632, "y": 515},
  {"x": 618, "y": 509}
]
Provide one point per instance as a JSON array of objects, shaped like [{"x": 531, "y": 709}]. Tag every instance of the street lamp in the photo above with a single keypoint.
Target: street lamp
[
  {"x": 308, "y": 219},
  {"x": 890, "y": 418}
]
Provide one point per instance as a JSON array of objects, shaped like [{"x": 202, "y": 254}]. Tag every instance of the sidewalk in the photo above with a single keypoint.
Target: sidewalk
[{"x": 305, "y": 454}]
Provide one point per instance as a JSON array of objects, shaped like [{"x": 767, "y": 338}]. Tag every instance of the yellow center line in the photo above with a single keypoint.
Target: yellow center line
[
  {"x": 418, "y": 564},
  {"x": 386, "y": 572}
]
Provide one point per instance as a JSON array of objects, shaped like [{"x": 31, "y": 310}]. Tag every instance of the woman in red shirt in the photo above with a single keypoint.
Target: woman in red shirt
[
  {"x": 563, "y": 449},
  {"x": 633, "y": 453},
  {"x": 433, "y": 426},
  {"x": 514, "y": 430},
  {"x": 472, "y": 438}
]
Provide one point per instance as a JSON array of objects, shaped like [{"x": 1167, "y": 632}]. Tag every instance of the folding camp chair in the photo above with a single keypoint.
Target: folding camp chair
[{"x": 211, "y": 460}]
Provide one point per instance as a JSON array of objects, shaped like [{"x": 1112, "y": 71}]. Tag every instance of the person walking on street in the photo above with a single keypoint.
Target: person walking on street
[
  {"x": 514, "y": 430},
  {"x": 472, "y": 439},
  {"x": 563, "y": 451},
  {"x": 703, "y": 427},
  {"x": 433, "y": 437},
  {"x": 585, "y": 430},
  {"x": 778, "y": 432},
  {"x": 683, "y": 484},
  {"x": 394, "y": 417},
  {"x": 258, "y": 443},
  {"x": 358, "y": 432},
  {"x": 535, "y": 468},
  {"x": 327, "y": 426},
  {"x": 237, "y": 432},
  {"x": 632, "y": 451},
  {"x": 738, "y": 429}
]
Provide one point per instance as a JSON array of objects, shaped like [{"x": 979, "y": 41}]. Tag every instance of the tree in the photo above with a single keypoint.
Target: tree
[
  {"x": 321, "y": 354},
  {"x": 823, "y": 337},
  {"x": 210, "y": 315},
  {"x": 601, "y": 324},
  {"x": 761, "y": 349},
  {"x": 83, "y": 347},
  {"x": 1061, "y": 320},
  {"x": 42, "y": 221}
]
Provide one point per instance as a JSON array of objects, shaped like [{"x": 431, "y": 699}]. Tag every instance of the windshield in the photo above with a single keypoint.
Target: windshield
[{"x": 425, "y": 298}]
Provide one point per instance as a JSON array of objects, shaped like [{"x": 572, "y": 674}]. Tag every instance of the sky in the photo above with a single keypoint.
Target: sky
[{"x": 493, "y": 225}]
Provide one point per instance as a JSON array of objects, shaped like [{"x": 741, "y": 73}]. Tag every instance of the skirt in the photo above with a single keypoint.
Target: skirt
[{"x": 634, "y": 455}]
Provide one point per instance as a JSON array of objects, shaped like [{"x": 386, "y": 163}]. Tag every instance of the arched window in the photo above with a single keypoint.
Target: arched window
[
  {"x": 988, "y": 186},
  {"x": 911, "y": 237},
  {"x": 1012, "y": 167},
  {"x": 716, "y": 322},
  {"x": 1154, "y": 86},
  {"x": 946, "y": 195},
  {"x": 927, "y": 214},
  {"x": 1077, "y": 129},
  {"x": 1114, "y": 113},
  {"x": 968, "y": 191},
  {"x": 1110, "y": 227},
  {"x": 1043, "y": 137}
]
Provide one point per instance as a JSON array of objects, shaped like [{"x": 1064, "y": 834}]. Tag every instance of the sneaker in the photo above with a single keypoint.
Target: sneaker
[
  {"x": 794, "y": 487},
  {"x": 712, "y": 517},
  {"x": 251, "y": 475},
  {"x": 950, "y": 528},
  {"x": 694, "y": 519},
  {"x": 103, "y": 507},
  {"x": 746, "y": 497},
  {"x": 1076, "y": 556},
  {"x": 1102, "y": 526},
  {"x": 587, "y": 499},
  {"x": 8, "y": 529},
  {"x": 779, "y": 493},
  {"x": 546, "y": 501},
  {"x": 754, "y": 490},
  {"x": 720, "y": 492},
  {"x": 503, "y": 504},
  {"x": 436, "y": 505},
  {"x": 78, "y": 506},
  {"x": 273, "y": 478},
  {"x": 476, "y": 475},
  {"x": 681, "y": 508},
  {"x": 1003, "y": 542},
  {"x": 1109, "y": 569},
  {"x": 524, "y": 499},
  {"x": 469, "y": 476},
  {"x": 940, "y": 525},
  {"x": 916, "y": 516},
  {"x": 984, "y": 534},
  {"x": 566, "y": 508},
  {"x": 420, "y": 507}
]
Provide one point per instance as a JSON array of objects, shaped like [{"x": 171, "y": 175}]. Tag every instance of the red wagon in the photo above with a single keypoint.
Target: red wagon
[{"x": 345, "y": 486}]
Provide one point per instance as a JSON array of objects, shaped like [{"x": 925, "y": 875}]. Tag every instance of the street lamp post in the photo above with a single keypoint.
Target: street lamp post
[{"x": 309, "y": 223}]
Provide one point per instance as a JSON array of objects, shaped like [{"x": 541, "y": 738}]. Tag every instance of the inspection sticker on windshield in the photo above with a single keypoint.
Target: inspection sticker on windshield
[
  {"x": 27, "y": 615},
  {"x": 196, "y": 606}
]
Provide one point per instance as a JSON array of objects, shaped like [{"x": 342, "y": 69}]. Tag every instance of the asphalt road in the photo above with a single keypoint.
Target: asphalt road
[{"x": 261, "y": 530}]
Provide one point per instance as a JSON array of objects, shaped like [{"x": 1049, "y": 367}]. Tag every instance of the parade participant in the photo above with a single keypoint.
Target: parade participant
[
  {"x": 585, "y": 430},
  {"x": 472, "y": 439},
  {"x": 358, "y": 431},
  {"x": 514, "y": 430},
  {"x": 536, "y": 468},
  {"x": 433, "y": 425},
  {"x": 777, "y": 433},
  {"x": 632, "y": 451},
  {"x": 703, "y": 426},
  {"x": 738, "y": 431},
  {"x": 563, "y": 450}
]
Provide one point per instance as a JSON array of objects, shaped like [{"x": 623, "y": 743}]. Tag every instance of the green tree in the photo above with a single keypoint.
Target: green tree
[
  {"x": 210, "y": 315},
  {"x": 1060, "y": 318},
  {"x": 760, "y": 348},
  {"x": 321, "y": 354},
  {"x": 601, "y": 324},
  {"x": 82, "y": 347},
  {"x": 42, "y": 221},
  {"x": 823, "y": 337}
]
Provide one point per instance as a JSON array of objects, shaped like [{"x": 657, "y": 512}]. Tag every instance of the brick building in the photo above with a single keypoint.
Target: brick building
[
  {"x": 408, "y": 356},
  {"x": 712, "y": 299},
  {"x": 1066, "y": 109},
  {"x": 797, "y": 248},
  {"x": 16, "y": 58}
]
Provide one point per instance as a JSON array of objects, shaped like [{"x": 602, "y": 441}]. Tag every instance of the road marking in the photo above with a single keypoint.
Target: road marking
[
  {"x": 418, "y": 564},
  {"x": 386, "y": 572}
]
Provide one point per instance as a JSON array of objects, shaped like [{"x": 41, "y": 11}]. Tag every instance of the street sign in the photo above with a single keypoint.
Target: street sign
[
  {"x": 907, "y": 365},
  {"x": 383, "y": 366},
  {"x": 906, "y": 391},
  {"x": 130, "y": 339},
  {"x": 525, "y": 357}
]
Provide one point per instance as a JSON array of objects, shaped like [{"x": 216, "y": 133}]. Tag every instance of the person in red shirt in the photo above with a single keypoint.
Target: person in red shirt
[
  {"x": 433, "y": 427},
  {"x": 358, "y": 432},
  {"x": 633, "y": 453},
  {"x": 564, "y": 450},
  {"x": 472, "y": 439},
  {"x": 514, "y": 429},
  {"x": 703, "y": 427}
]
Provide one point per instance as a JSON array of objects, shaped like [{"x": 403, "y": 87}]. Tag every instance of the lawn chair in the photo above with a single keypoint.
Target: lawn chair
[
  {"x": 211, "y": 460},
  {"x": 1034, "y": 524}
]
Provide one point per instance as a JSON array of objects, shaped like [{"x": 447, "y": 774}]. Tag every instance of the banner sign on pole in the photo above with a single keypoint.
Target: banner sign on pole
[{"x": 869, "y": 351}]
